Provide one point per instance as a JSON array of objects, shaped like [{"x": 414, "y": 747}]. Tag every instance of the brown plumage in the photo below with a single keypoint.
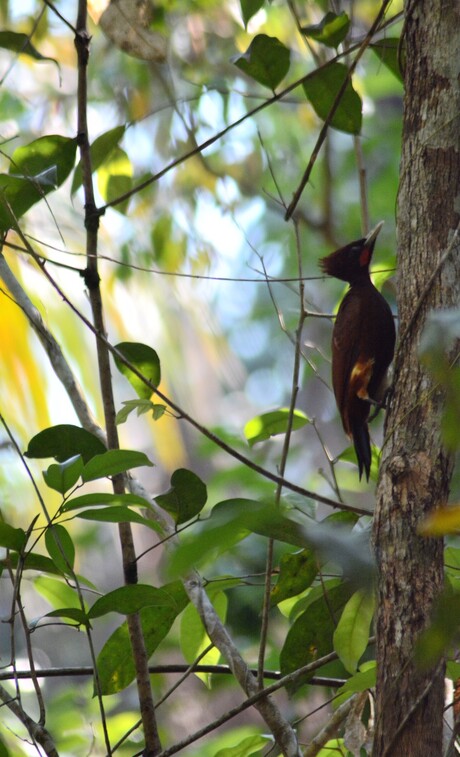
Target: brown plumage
[{"x": 363, "y": 342}]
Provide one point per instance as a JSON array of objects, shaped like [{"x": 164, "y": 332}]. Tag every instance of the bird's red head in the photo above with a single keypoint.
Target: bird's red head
[{"x": 351, "y": 263}]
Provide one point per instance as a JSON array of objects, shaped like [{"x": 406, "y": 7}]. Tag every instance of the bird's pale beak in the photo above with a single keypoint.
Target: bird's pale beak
[{"x": 372, "y": 236}]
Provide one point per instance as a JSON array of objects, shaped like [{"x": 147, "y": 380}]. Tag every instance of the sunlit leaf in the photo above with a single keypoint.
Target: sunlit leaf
[
  {"x": 352, "y": 633},
  {"x": 364, "y": 680},
  {"x": 35, "y": 170},
  {"x": 65, "y": 441},
  {"x": 445, "y": 520},
  {"x": 58, "y": 593},
  {"x": 322, "y": 89},
  {"x": 115, "y": 178},
  {"x": 266, "y": 60},
  {"x": 100, "y": 150},
  {"x": 186, "y": 497},
  {"x": 331, "y": 30},
  {"x": 145, "y": 360},
  {"x": 141, "y": 406},
  {"x": 332, "y": 748},
  {"x": 251, "y": 745},
  {"x": 264, "y": 426}
]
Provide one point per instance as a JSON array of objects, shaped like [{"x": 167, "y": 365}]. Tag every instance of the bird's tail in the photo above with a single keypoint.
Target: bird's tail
[{"x": 361, "y": 440}]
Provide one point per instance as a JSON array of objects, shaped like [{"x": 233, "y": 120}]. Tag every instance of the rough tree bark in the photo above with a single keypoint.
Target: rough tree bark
[{"x": 415, "y": 469}]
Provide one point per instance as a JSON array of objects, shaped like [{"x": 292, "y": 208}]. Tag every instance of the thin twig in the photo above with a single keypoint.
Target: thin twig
[
  {"x": 332, "y": 726},
  {"x": 324, "y": 129},
  {"x": 38, "y": 733},
  {"x": 70, "y": 569},
  {"x": 139, "y": 651},
  {"x": 282, "y": 731},
  {"x": 88, "y": 670},
  {"x": 178, "y": 410},
  {"x": 216, "y": 137}
]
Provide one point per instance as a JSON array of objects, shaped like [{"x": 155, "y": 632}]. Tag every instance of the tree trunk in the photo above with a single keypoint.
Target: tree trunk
[{"x": 415, "y": 469}]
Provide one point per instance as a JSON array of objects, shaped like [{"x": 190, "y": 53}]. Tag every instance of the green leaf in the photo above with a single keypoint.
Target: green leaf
[
  {"x": 249, "y": 9},
  {"x": 31, "y": 561},
  {"x": 251, "y": 745},
  {"x": 104, "y": 498},
  {"x": 113, "y": 461},
  {"x": 100, "y": 150},
  {"x": 65, "y": 441},
  {"x": 389, "y": 51},
  {"x": 435, "y": 641},
  {"x": 297, "y": 571},
  {"x": 444, "y": 520},
  {"x": 58, "y": 593},
  {"x": 62, "y": 476},
  {"x": 264, "y": 426},
  {"x": 231, "y": 521},
  {"x": 266, "y": 60},
  {"x": 349, "y": 455},
  {"x": 145, "y": 360},
  {"x": 322, "y": 88},
  {"x": 345, "y": 548},
  {"x": 72, "y": 613},
  {"x": 331, "y": 30},
  {"x": 35, "y": 170},
  {"x": 186, "y": 497},
  {"x": 54, "y": 151},
  {"x": 193, "y": 636},
  {"x": 115, "y": 178},
  {"x": 453, "y": 670},
  {"x": 141, "y": 406},
  {"x": 12, "y": 538},
  {"x": 310, "y": 636},
  {"x": 60, "y": 547},
  {"x": 332, "y": 748},
  {"x": 119, "y": 514},
  {"x": 364, "y": 680},
  {"x": 20, "y": 43},
  {"x": 130, "y": 599},
  {"x": 352, "y": 633},
  {"x": 115, "y": 661}
]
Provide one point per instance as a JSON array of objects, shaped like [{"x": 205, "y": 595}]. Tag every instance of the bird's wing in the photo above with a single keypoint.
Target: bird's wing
[{"x": 351, "y": 371}]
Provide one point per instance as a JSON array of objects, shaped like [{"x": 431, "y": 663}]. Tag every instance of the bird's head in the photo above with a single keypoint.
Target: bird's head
[{"x": 351, "y": 263}]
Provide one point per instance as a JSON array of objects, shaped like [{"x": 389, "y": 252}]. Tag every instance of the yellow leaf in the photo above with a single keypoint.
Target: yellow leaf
[{"x": 446, "y": 520}]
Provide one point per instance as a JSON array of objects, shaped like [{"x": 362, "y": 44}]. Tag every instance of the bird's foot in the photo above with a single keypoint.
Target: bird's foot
[{"x": 378, "y": 406}]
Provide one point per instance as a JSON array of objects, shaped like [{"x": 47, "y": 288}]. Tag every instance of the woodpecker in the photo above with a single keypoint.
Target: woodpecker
[{"x": 363, "y": 342}]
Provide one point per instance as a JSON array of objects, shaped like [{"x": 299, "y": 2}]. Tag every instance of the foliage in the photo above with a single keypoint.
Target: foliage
[{"x": 193, "y": 163}]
